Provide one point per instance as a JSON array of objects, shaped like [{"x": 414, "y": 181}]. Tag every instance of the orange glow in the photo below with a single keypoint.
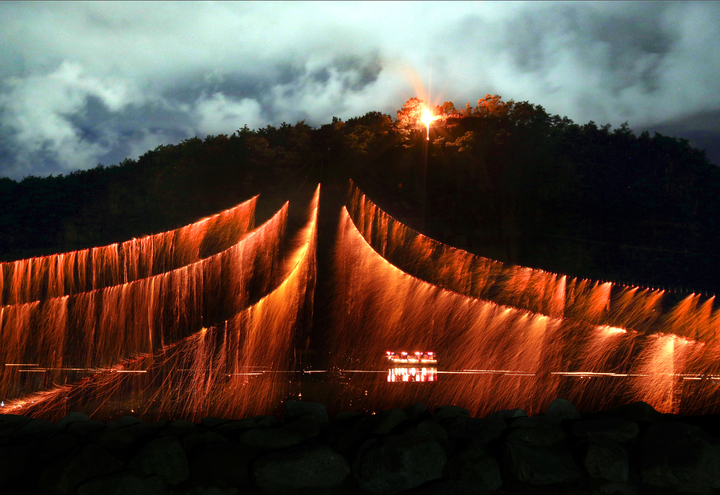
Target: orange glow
[
  {"x": 398, "y": 288},
  {"x": 428, "y": 118},
  {"x": 411, "y": 357},
  {"x": 412, "y": 375}
]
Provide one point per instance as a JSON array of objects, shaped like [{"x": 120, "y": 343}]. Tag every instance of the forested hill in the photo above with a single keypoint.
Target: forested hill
[{"x": 503, "y": 179}]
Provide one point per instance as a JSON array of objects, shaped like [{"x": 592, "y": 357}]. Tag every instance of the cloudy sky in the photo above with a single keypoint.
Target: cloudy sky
[{"x": 93, "y": 82}]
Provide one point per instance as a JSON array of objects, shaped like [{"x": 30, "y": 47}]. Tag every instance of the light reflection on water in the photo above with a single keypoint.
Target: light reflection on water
[{"x": 368, "y": 390}]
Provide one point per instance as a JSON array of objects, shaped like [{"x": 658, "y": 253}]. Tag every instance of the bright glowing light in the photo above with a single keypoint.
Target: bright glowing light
[{"x": 428, "y": 118}]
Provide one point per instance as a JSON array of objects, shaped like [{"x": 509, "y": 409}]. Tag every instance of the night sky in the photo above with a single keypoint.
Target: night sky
[{"x": 93, "y": 82}]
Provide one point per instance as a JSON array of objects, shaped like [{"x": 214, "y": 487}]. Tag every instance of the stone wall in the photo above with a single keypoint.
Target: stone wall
[{"x": 629, "y": 450}]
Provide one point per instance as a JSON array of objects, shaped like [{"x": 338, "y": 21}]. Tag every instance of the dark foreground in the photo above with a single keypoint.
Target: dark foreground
[{"x": 628, "y": 450}]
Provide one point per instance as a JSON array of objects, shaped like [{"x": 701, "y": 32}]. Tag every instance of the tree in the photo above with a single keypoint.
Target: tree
[{"x": 410, "y": 113}]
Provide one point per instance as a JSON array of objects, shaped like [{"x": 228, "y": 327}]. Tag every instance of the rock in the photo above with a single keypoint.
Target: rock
[
  {"x": 538, "y": 421},
  {"x": 222, "y": 464},
  {"x": 491, "y": 428},
  {"x": 417, "y": 411},
  {"x": 346, "y": 418},
  {"x": 444, "y": 412},
  {"x": 210, "y": 422},
  {"x": 114, "y": 440},
  {"x": 429, "y": 430},
  {"x": 164, "y": 457},
  {"x": 54, "y": 447},
  {"x": 14, "y": 462},
  {"x": 72, "y": 417},
  {"x": 10, "y": 423},
  {"x": 678, "y": 455},
  {"x": 507, "y": 414},
  {"x": 268, "y": 421},
  {"x": 191, "y": 441},
  {"x": 616, "y": 488},
  {"x": 381, "y": 424},
  {"x": 64, "y": 476},
  {"x": 544, "y": 436},
  {"x": 473, "y": 464},
  {"x": 126, "y": 483},
  {"x": 637, "y": 411},
  {"x": 448, "y": 487},
  {"x": 35, "y": 428},
  {"x": 618, "y": 430},
  {"x": 212, "y": 490},
  {"x": 128, "y": 420},
  {"x": 300, "y": 468},
  {"x": 293, "y": 409},
  {"x": 178, "y": 428},
  {"x": 539, "y": 465},
  {"x": 395, "y": 463},
  {"x": 561, "y": 410},
  {"x": 455, "y": 426},
  {"x": 289, "y": 435},
  {"x": 606, "y": 460},
  {"x": 236, "y": 427},
  {"x": 141, "y": 429},
  {"x": 85, "y": 428}
]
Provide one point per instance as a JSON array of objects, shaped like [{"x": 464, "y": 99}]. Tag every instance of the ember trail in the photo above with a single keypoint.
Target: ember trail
[{"x": 220, "y": 330}]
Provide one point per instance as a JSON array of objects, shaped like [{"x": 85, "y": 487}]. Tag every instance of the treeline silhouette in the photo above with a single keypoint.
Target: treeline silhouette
[{"x": 505, "y": 180}]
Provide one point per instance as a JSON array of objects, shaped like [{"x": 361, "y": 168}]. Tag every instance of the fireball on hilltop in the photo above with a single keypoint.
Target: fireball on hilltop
[{"x": 415, "y": 113}]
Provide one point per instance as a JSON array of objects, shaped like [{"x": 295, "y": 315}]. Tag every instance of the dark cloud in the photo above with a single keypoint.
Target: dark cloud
[
  {"x": 87, "y": 82},
  {"x": 700, "y": 129}
]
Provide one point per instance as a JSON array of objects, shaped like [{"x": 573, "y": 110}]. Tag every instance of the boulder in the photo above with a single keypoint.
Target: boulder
[
  {"x": 193, "y": 440},
  {"x": 428, "y": 429},
  {"x": 544, "y": 436},
  {"x": 212, "y": 422},
  {"x": 235, "y": 428},
  {"x": 394, "y": 463},
  {"x": 64, "y": 475},
  {"x": 141, "y": 429},
  {"x": 507, "y": 414},
  {"x": 178, "y": 428},
  {"x": 293, "y": 409},
  {"x": 444, "y": 412},
  {"x": 10, "y": 423},
  {"x": 606, "y": 460},
  {"x": 14, "y": 463},
  {"x": 35, "y": 428},
  {"x": 538, "y": 465},
  {"x": 53, "y": 447},
  {"x": 127, "y": 421},
  {"x": 164, "y": 457},
  {"x": 678, "y": 455},
  {"x": 346, "y": 418},
  {"x": 72, "y": 417},
  {"x": 561, "y": 410},
  {"x": 473, "y": 464},
  {"x": 85, "y": 428},
  {"x": 210, "y": 490},
  {"x": 124, "y": 483},
  {"x": 221, "y": 464},
  {"x": 448, "y": 487},
  {"x": 289, "y": 435},
  {"x": 313, "y": 467},
  {"x": 618, "y": 430},
  {"x": 637, "y": 411},
  {"x": 114, "y": 440},
  {"x": 417, "y": 411},
  {"x": 264, "y": 420},
  {"x": 382, "y": 423}
]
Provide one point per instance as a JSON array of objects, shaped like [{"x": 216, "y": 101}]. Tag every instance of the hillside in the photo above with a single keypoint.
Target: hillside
[{"x": 505, "y": 180}]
